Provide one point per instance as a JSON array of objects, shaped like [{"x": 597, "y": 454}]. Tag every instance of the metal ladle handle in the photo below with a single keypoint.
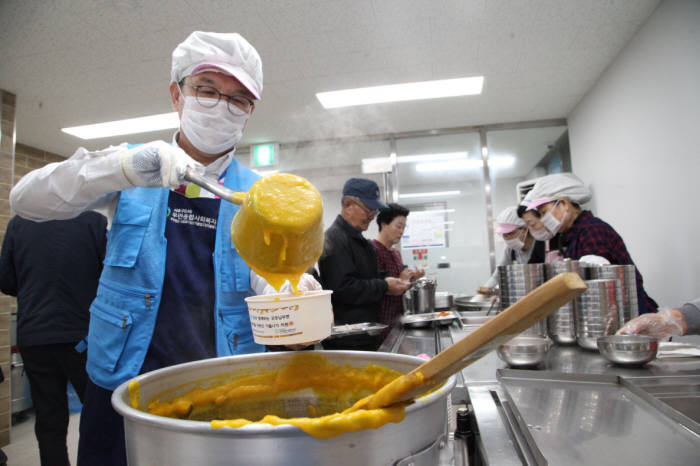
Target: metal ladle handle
[{"x": 215, "y": 188}]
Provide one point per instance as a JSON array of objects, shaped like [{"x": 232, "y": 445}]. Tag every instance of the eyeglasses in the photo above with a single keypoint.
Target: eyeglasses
[
  {"x": 367, "y": 210},
  {"x": 208, "y": 97}
]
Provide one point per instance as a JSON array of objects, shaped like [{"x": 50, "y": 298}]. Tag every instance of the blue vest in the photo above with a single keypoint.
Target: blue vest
[{"x": 123, "y": 315}]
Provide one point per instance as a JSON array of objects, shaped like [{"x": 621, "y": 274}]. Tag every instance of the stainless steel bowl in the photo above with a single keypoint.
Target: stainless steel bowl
[
  {"x": 628, "y": 350},
  {"x": 524, "y": 351}
]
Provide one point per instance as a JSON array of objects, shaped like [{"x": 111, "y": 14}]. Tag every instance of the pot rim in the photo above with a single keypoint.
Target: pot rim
[{"x": 121, "y": 393}]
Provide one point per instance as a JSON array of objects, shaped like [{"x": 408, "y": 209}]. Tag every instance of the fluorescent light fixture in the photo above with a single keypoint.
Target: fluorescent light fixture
[
  {"x": 128, "y": 126},
  {"x": 377, "y": 165},
  {"x": 432, "y": 157},
  {"x": 501, "y": 161},
  {"x": 495, "y": 162},
  {"x": 401, "y": 92},
  {"x": 434, "y": 211},
  {"x": 466, "y": 164},
  {"x": 451, "y": 222},
  {"x": 430, "y": 194}
]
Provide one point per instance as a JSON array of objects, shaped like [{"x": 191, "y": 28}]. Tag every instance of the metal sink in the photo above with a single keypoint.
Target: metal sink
[{"x": 682, "y": 393}]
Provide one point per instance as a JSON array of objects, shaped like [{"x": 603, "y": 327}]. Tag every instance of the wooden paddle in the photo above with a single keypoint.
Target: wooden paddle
[{"x": 536, "y": 305}]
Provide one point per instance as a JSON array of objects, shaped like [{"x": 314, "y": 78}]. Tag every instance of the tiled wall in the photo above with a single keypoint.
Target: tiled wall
[
  {"x": 16, "y": 160},
  {"x": 7, "y": 303}
]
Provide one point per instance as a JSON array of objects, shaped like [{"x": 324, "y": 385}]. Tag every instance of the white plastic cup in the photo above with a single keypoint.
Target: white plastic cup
[{"x": 288, "y": 319}]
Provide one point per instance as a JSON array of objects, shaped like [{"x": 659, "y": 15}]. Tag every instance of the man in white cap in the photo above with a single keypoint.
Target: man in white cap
[
  {"x": 521, "y": 247},
  {"x": 558, "y": 198},
  {"x": 173, "y": 287}
]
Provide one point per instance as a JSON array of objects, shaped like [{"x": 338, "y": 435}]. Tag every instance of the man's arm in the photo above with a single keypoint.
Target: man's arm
[
  {"x": 8, "y": 275},
  {"x": 63, "y": 190}
]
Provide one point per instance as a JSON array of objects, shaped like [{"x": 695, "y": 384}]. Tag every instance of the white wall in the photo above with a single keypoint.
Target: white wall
[{"x": 635, "y": 138}]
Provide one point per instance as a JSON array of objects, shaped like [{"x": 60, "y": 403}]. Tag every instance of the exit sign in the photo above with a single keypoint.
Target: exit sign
[{"x": 265, "y": 155}]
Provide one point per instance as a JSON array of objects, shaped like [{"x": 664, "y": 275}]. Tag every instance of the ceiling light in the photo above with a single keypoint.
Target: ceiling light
[
  {"x": 432, "y": 157},
  {"x": 401, "y": 92},
  {"x": 448, "y": 166},
  {"x": 430, "y": 194},
  {"x": 128, "y": 126},
  {"x": 434, "y": 211},
  {"x": 501, "y": 161}
]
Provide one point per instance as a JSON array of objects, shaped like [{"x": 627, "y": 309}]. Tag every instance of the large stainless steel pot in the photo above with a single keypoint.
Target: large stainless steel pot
[
  {"x": 423, "y": 295},
  {"x": 158, "y": 440}
]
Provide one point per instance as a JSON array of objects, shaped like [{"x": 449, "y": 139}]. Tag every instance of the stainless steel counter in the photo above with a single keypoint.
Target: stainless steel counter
[{"x": 575, "y": 409}]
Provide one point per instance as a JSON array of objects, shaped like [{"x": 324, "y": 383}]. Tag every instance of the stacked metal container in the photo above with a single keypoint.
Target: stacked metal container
[
  {"x": 627, "y": 287},
  {"x": 598, "y": 312},
  {"x": 515, "y": 282},
  {"x": 561, "y": 325}
]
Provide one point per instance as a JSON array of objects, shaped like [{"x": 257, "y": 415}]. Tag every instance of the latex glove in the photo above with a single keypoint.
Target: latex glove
[
  {"x": 486, "y": 291},
  {"x": 157, "y": 164},
  {"x": 661, "y": 325},
  {"x": 594, "y": 260},
  {"x": 307, "y": 282}
]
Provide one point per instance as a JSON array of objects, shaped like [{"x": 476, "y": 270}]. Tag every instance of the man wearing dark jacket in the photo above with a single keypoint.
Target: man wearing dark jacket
[
  {"x": 348, "y": 265},
  {"x": 53, "y": 268}
]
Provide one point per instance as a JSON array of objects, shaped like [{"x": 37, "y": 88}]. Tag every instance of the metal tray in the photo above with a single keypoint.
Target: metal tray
[
  {"x": 424, "y": 320},
  {"x": 586, "y": 419},
  {"x": 367, "y": 328}
]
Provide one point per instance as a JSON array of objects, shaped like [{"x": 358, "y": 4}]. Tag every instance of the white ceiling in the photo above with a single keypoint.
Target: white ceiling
[{"x": 73, "y": 62}]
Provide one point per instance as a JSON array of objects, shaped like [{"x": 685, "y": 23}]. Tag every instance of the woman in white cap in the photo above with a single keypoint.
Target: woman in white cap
[
  {"x": 173, "y": 287},
  {"x": 558, "y": 199},
  {"x": 521, "y": 247}
]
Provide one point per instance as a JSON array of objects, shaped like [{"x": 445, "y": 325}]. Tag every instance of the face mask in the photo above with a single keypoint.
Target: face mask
[
  {"x": 211, "y": 130},
  {"x": 542, "y": 234},
  {"x": 551, "y": 222},
  {"x": 516, "y": 244}
]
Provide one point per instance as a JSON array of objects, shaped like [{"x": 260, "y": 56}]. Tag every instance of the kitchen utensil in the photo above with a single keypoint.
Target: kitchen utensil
[
  {"x": 524, "y": 351},
  {"x": 516, "y": 280},
  {"x": 536, "y": 305},
  {"x": 443, "y": 300},
  {"x": 561, "y": 326},
  {"x": 423, "y": 295},
  {"x": 628, "y": 350},
  {"x": 278, "y": 229},
  {"x": 597, "y": 312},
  {"x": 466, "y": 303},
  {"x": 627, "y": 287},
  {"x": 152, "y": 439},
  {"x": 363, "y": 328},
  {"x": 426, "y": 319},
  {"x": 407, "y": 300}
]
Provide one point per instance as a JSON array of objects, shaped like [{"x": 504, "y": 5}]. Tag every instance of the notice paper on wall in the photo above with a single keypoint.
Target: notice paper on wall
[{"x": 424, "y": 229}]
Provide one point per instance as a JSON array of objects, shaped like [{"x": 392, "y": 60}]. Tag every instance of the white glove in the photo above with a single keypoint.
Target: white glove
[
  {"x": 307, "y": 282},
  {"x": 157, "y": 164}
]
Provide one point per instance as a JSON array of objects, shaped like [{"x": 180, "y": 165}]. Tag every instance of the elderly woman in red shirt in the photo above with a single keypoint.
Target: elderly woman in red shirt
[
  {"x": 392, "y": 222},
  {"x": 558, "y": 199}
]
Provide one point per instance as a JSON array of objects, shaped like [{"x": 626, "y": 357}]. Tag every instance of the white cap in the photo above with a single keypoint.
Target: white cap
[
  {"x": 229, "y": 53},
  {"x": 508, "y": 221},
  {"x": 559, "y": 186}
]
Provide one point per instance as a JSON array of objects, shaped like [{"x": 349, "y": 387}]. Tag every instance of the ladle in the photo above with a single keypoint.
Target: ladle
[
  {"x": 278, "y": 230},
  {"x": 536, "y": 305},
  {"x": 214, "y": 188}
]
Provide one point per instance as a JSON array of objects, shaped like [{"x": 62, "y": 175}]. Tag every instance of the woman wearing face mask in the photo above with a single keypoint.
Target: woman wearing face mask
[
  {"x": 558, "y": 199},
  {"x": 521, "y": 246},
  {"x": 534, "y": 224}
]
